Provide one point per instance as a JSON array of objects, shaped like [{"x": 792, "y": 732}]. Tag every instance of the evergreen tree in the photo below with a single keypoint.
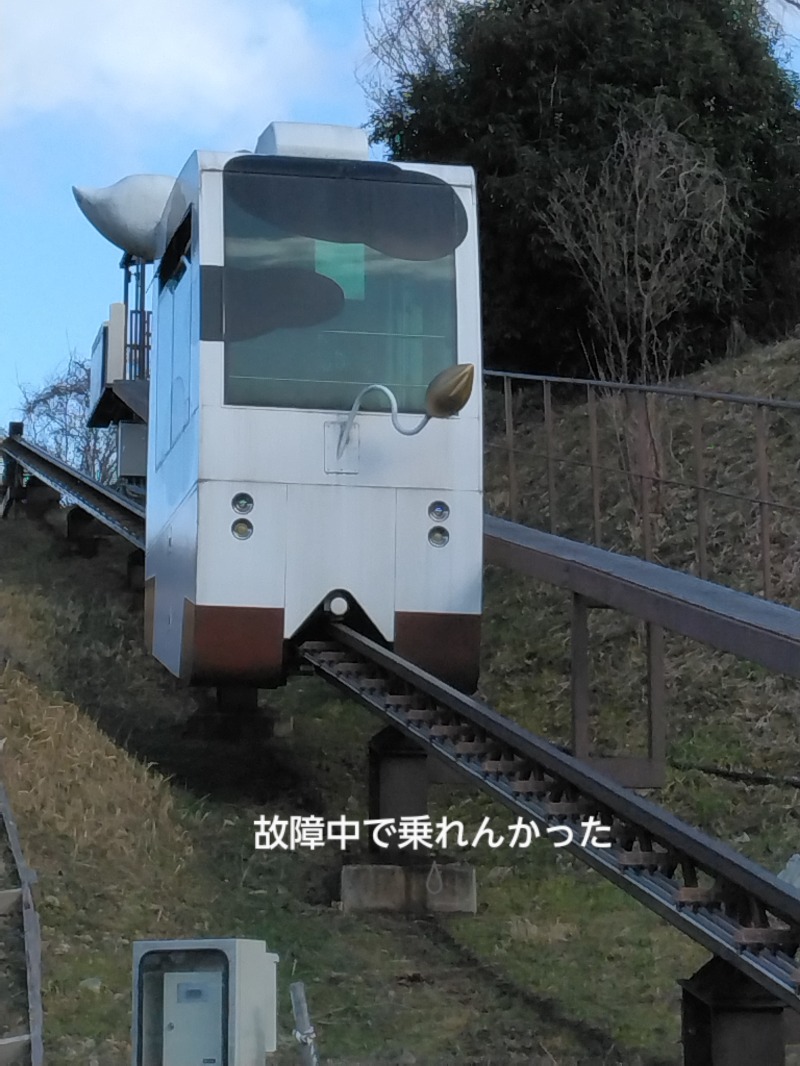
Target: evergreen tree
[{"x": 535, "y": 89}]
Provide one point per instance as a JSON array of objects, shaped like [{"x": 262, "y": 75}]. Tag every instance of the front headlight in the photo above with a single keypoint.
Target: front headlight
[
  {"x": 438, "y": 536},
  {"x": 242, "y": 529}
]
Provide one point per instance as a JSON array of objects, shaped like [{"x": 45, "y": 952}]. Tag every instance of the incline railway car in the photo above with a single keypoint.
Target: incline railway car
[{"x": 313, "y": 309}]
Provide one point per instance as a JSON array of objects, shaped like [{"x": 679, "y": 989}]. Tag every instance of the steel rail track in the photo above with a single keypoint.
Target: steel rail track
[
  {"x": 730, "y": 905},
  {"x": 123, "y": 516},
  {"x": 17, "y": 909}
]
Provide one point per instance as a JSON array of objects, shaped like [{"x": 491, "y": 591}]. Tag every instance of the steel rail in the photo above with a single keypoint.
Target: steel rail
[
  {"x": 729, "y": 904},
  {"x": 752, "y": 628},
  {"x": 657, "y": 390},
  {"x": 123, "y": 516},
  {"x": 23, "y": 1048}
]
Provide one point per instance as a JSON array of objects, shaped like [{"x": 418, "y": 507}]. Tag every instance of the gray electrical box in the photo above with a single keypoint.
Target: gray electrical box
[
  {"x": 131, "y": 449},
  {"x": 108, "y": 354},
  {"x": 203, "y": 1002}
]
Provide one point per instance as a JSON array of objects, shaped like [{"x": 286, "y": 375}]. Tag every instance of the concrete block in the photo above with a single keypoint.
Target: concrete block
[{"x": 417, "y": 889}]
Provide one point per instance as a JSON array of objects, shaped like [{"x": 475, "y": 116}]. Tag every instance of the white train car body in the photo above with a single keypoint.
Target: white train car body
[{"x": 286, "y": 284}]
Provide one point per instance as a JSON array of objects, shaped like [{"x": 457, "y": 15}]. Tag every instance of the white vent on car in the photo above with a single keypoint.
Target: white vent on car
[{"x": 313, "y": 141}]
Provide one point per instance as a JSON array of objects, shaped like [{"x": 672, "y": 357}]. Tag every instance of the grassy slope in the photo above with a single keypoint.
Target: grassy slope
[{"x": 125, "y": 854}]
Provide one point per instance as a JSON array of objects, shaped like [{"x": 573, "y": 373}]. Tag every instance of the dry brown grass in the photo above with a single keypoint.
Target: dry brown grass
[
  {"x": 123, "y": 852},
  {"x": 99, "y": 827}
]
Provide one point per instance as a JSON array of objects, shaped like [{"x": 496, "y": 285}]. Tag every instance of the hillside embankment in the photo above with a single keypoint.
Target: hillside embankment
[{"x": 140, "y": 828}]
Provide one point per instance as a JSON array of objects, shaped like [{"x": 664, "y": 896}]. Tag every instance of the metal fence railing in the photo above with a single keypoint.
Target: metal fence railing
[
  {"x": 137, "y": 349},
  {"x": 694, "y": 479}
]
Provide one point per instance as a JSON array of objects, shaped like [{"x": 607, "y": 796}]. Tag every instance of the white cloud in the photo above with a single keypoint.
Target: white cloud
[{"x": 201, "y": 62}]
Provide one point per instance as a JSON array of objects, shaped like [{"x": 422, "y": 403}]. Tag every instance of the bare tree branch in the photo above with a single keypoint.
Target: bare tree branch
[
  {"x": 405, "y": 37},
  {"x": 55, "y": 416},
  {"x": 656, "y": 233}
]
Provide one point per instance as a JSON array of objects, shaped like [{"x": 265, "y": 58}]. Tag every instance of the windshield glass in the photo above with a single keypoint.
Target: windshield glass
[{"x": 337, "y": 275}]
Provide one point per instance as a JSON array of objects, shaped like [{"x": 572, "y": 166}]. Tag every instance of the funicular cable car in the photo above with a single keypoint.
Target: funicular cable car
[{"x": 314, "y": 440}]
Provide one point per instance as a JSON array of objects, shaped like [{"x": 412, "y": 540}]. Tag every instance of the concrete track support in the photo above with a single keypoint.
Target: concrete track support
[
  {"x": 11, "y": 488},
  {"x": 237, "y": 710},
  {"x": 135, "y": 570},
  {"x": 398, "y": 785},
  {"x": 727, "y": 1019},
  {"x": 84, "y": 531},
  {"x": 407, "y": 879}
]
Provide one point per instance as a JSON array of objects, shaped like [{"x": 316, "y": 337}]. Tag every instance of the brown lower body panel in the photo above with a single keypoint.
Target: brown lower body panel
[
  {"x": 446, "y": 645},
  {"x": 232, "y": 645}
]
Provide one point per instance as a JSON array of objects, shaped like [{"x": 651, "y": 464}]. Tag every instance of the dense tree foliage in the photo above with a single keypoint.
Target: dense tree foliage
[{"x": 534, "y": 89}]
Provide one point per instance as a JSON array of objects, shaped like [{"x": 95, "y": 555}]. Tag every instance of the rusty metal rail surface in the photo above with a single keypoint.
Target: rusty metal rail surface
[
  {"x": 730, "y": 905},
  {"x": 124, "y": 516},
  {"x": 22, "y": 1049}
]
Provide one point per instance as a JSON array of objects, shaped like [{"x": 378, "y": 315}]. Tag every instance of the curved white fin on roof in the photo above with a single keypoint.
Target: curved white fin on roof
[{"x": 128, "y": 212}]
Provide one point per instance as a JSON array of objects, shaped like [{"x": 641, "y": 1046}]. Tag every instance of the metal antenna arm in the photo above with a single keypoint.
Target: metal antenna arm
[{"x": 347, "y": 426}]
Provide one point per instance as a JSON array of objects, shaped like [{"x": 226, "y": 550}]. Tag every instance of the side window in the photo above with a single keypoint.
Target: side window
[
  {"x": 178, "y": 254},
  {"x": 163, "y": 372},
  {"x": 174, "y": 337},
  {"x": 181, "y": 353}
]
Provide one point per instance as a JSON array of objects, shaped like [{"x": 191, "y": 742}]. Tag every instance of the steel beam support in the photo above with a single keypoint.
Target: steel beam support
[
  {"x": 398, "y": 784},
  {"x": 729, "y": 1020},
  {"x": 656, "y": 718},
  {"x": 736, "y": 909},
  {"x": 12, "y": 475},
  {"x": 579, "y": 679},
  {"x": 237, "y": 710},
  {"x": 631, "y": 771}
]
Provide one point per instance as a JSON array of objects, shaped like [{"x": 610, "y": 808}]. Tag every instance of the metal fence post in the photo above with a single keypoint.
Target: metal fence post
[
  {"x": 304, "y": 1030},
  {"x": 513, "y": 490},
  {"x": 762, "y": 469},
  {"x": 594, "y": 461},
  {"x": 700, "y": 489},
  {"x": 656, "y": 719},
  {"x": 645, "y": 468},
  {"x": 551, "y": 479},
  {"x": 579, "y": 678},
  {"x": 642, "y": 471}
]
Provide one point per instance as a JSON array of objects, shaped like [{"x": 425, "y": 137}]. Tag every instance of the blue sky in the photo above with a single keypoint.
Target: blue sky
[{"x": 93, "y": 90}]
